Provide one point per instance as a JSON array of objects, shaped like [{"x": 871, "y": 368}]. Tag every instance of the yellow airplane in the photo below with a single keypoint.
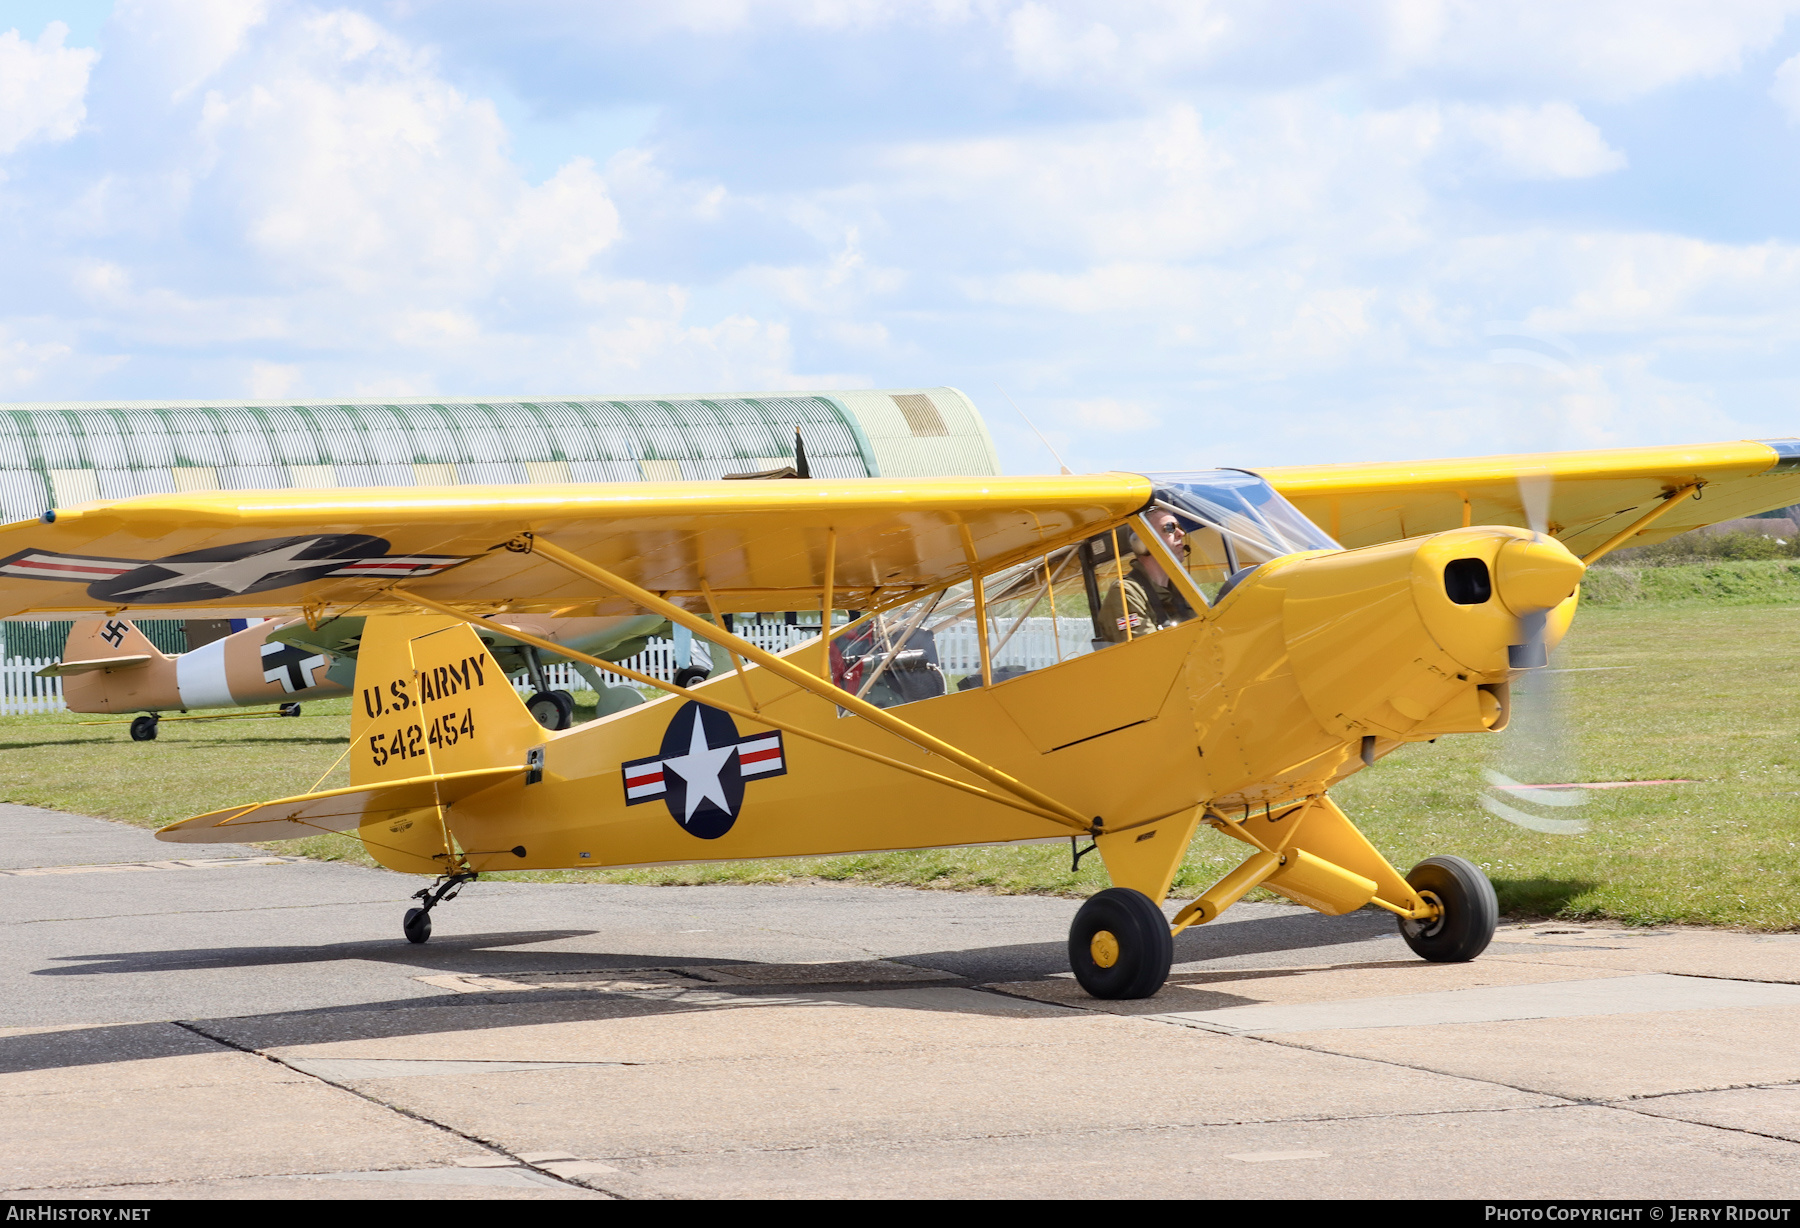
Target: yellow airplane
[{"x": 1273, "y": 663}]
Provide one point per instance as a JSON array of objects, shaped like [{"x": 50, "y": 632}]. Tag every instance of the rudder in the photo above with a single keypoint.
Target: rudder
[{"x": 430, "y": 699}]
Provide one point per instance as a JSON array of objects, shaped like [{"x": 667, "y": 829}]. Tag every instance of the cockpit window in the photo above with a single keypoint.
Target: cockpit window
[{"x": 1235, "y": 520}]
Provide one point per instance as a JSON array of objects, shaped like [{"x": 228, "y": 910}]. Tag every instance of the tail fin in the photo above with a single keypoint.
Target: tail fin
[
  {"x": 108, "y": 665},
  {"x": 100, "y": 639},
  {"x": 431, "y": 699}
]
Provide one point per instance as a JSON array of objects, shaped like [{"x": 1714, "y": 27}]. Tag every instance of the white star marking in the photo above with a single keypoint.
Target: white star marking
[
  {"x": 699, "y": 769},
  {"x": 236, "y": 575}
]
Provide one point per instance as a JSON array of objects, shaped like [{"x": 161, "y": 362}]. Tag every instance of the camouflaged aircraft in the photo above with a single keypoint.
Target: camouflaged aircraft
[{"x": 110, "y": 666}]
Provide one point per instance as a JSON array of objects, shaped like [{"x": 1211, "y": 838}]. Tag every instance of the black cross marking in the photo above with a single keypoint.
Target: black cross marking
[{"x": 290, "y": 666}]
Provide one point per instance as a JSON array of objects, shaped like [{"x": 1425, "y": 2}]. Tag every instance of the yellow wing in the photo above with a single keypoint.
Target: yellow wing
[
  {"x": 1592, "y": 495},
  {"x": 756, "y": 545}
]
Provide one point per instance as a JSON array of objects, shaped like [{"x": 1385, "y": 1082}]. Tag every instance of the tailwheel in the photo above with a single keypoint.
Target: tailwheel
[
  {"x": 1470, "y": 910},
  {"x": 552, "y": 709},
  {"x": 416, "y": 925},
  {"x": 143, "y": 729},
  {"x": 1120, "y": 946}
]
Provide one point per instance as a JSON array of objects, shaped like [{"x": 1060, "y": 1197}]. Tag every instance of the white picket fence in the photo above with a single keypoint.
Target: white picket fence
[
  {"x": 1033, "y": 646},
  {"x": 658, "y": 658},
  {"x": 21, "y": 690},
  {"x": 1040, "y": 642}
]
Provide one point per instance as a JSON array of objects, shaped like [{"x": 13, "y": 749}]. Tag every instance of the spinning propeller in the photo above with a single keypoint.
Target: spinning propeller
[{"x": 1536, "y": 747}]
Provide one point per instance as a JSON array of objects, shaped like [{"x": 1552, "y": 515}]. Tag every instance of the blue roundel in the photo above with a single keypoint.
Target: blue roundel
[{"x": 700, "y": 772}]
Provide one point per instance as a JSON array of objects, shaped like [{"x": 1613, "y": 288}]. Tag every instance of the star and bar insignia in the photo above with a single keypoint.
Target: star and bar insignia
[
  {"x": 225, "y": 571},
  {"x": 700, "y": 773}
]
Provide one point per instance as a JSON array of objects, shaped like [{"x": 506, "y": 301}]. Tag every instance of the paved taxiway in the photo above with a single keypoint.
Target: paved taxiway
[{"x": 251, "y": 1027}]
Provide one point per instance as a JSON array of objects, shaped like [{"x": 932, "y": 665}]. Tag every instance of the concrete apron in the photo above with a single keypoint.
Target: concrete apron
[{"x": 848, "y": 1061}]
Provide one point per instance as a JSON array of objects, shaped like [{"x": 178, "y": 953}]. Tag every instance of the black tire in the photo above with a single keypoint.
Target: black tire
[
  {"x": 1141, "y": 947},
  {"x": 552, "y": 709},
  {"x": 289, "y": 709},
  {"x": 691, "y": 675},
  {"x": 143, "y": 729},
  {"x": 417, "y": 926},
  {"x": 1471, "y": 911}
]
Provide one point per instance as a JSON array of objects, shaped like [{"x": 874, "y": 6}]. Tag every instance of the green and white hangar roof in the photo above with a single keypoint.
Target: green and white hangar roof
[{"x": 54, "y": 454}]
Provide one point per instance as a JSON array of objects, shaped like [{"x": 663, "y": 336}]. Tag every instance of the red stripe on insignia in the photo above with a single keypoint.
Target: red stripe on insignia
[
  {"x": 110, "y": 569},
  {"x": 757, "y": 756},
  {"x": 644, "y": 776}
]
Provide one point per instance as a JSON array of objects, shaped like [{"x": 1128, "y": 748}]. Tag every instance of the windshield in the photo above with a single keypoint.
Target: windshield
[{"x": 1234, "y": 520}]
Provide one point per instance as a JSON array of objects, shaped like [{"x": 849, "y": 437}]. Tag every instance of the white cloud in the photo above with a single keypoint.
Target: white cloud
[
  {"x": 43, "y": 87},
  {"x": 1260, "y": 238},
  {"x": 1786, "y": 89},
  {"x": 176, "y": 46},
  {"x": 358, "y": 206},
  {"x": 1549, "y": 141},
  {"x": 271, "y": 380},
  {"x": 1601, "y": 48}
]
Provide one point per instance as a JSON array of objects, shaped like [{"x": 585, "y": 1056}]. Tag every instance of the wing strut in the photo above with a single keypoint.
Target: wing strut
[
  {"x": 1641, "y": 523},
  {"x": 563, "y": 650}
]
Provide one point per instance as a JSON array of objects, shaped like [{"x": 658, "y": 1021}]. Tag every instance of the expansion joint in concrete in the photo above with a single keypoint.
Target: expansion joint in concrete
[{"x": 398, "y": 1110}]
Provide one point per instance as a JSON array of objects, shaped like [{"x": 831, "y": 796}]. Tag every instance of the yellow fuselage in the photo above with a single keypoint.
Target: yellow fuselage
[{"x": 1263, "y": 700}]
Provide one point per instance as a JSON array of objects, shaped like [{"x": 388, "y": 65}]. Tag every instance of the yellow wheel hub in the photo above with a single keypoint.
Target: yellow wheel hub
[{"x": 1104, "y": 948}]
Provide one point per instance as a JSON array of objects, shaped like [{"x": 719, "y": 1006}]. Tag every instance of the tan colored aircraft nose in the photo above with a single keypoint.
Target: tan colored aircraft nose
[{"x": 1536, "y": 575}]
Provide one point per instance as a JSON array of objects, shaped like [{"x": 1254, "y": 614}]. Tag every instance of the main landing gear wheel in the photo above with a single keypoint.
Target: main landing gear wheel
[
  {"x": 143, "y": 729},
  {"x": 1120, "y": 946},
  {"x": 289, "y": 710},
  {"x": 417, "y": 925},
  {"x": 1471, "y": 911},
  {"x": 552, "y": 709},
  {"x": 691, "y": 675}
]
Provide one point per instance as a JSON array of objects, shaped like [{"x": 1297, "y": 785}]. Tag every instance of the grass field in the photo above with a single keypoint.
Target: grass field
[{"x": 1699, "y": 688}]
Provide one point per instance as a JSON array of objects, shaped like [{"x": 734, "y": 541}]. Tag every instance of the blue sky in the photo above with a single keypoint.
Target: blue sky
[{"x": 1177, "y": 234}]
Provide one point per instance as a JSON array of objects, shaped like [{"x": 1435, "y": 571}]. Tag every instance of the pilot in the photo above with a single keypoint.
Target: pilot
[{"x": 1150, "y": 599}]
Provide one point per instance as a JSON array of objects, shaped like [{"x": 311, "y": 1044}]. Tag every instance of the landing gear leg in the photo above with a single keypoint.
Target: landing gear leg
[
  {"x": 551, "y": 709},
  {"x": 417, "y": 925}
]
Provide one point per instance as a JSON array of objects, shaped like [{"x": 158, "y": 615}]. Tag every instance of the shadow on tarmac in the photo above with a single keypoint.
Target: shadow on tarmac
[
  {"x": 472, "y": 953},
  {"x": 497, "y": 954}
]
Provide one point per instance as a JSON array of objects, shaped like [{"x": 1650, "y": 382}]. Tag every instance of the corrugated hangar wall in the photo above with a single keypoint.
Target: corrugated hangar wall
[
  {"x": 57, "y": 454},
  {"x": 54, "y": 454}
]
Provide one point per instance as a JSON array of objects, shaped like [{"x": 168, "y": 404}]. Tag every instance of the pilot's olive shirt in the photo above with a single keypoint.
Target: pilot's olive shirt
[{"x": 1147, "y": 605}]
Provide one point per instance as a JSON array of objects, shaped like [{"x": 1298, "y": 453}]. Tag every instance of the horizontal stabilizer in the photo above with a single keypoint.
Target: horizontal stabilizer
[
  {"x": 291, "y": 818},
  {"x": 88, "y": 667}
]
